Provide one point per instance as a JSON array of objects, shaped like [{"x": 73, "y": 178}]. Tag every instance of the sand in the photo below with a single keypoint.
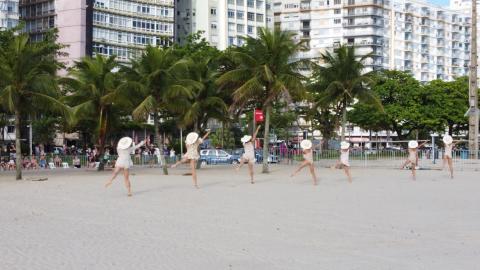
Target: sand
[{"x": 381, "y": 221}]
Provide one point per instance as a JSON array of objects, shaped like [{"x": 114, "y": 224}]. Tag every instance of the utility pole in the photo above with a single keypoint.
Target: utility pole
[{"x": 473, "y": 89}]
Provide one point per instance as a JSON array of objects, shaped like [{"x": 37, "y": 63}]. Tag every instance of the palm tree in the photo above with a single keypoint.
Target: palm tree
[
  {"x": 206, "y": 101},
  {"x": 340, "y": 80},
  {"x": 160, "y": 77},
  {"x": 27, "y": 80},
  {"x": 97, "y": 90},
  {"x": 264, "y": 73}
]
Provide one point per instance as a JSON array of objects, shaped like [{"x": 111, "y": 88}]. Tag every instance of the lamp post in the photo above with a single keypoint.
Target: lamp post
[{"x": 473, "y": 90}]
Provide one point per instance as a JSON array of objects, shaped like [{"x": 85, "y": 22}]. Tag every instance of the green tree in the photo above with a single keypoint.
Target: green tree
[
  {"x": 162, "y": 80},
  {"x": 341, "y": 80},
  {"x": 265, "y": 73},
  {"x": 401, "y": 95},
  {"x": 223, "y": 137},
  {"x": 97, "y": 92},
  {"x": 28, "y": 81},
  {"x": 445, "y": 104}
]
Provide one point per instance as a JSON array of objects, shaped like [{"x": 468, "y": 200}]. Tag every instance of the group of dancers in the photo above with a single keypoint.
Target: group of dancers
[{"x": 193, "y": 141}]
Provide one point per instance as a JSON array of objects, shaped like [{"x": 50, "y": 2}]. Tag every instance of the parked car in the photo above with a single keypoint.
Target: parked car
[
  {"x": 237, "y": 155},
  {"x": 216, "y": 156}
]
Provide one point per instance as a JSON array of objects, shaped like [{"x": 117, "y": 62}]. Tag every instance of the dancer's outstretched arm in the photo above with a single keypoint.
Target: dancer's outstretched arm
[
  {"x": 254, "y": 137},
  {"x": 206, "y": 135}
]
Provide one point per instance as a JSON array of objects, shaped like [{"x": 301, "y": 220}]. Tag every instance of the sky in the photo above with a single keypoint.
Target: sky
[{"x": 440, "y": 2}]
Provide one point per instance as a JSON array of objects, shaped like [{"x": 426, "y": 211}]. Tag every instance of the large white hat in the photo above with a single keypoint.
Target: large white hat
[
  {"x": 192, "y": 137},
  {"x": 124, "y": 143},
  {"x": 447, "y": 139},
  {"x": 344, "y": 145},
  {"x": 306, "y": 144},
  {"x": 412, "y": 144},
  {"x": 246, "y": 138}
]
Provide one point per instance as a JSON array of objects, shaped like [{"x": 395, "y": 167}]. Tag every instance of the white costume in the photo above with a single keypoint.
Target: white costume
[
  {"x": 249, "y": 154},
  {"x": 192, "y": 150},
  {"x": 344, "y": 157},
  {"x": 124, "y": 160}
]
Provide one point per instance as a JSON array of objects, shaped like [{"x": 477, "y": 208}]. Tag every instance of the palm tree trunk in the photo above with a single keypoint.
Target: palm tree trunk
[
  {"x": 101, "y": 138},
  {"x": 266, "y": 139},
  {"x": 344, "y": 121},
  {"x": 159, "y": 142},
  {"x": 18, "y": 146}
]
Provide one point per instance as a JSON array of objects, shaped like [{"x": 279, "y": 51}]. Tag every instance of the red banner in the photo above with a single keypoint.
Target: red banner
[{"x": 258, "y": 115}]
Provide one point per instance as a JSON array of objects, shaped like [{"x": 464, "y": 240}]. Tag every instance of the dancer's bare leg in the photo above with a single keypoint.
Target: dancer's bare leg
[
  {"x": 303, "y": 165},
  {"x": 183, "y": 160},
  {"x": 127, "y": 182},
  {"x": 450, "y": 166},
  {"x": 242, "y": 160},
  {"x": 405, "y": 164},
  {"x": 414, "y": 171},
  {"x": 312, "y": 172},
  {"x": 250, "y": 170},
  {"x": 194, "y": 171},
  {"x": 115, "y": 173},
  {"x": 347, "y": 172}
]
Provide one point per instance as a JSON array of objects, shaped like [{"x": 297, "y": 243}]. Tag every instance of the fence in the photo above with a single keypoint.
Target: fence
[{"x": 358, "y": 158}]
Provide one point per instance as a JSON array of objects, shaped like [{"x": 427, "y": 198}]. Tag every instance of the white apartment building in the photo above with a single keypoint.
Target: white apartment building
[
  {"x": 8, "y": 13},
  {"x": 222, "y": 21},
  {"x": 430, "y": 41}
]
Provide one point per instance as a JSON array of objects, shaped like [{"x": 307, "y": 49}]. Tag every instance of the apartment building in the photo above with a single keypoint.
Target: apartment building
[
  {"x": 223, "y": 22},
  {"x": 430, "y": 41},
  {"x": 107, "y": 27},
  {"x": 8, "y": 13}
]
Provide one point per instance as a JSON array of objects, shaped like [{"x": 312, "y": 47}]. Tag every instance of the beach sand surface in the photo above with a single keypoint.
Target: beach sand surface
[{"x": 383, "y": 220}]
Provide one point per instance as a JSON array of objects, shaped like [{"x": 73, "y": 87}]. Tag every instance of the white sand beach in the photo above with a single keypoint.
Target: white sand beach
[{"x": 384, "y": 220}]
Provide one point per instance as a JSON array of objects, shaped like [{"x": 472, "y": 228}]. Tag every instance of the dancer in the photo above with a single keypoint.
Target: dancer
[
  {"x": 307, "y": 160},
  {"x": 249, "y": 153},
  {"x": 124, "y": 149},
  {"x": 343, "y": 162},
  {"x": 447, "y": 155},
  {"x": 413, "y": 157},
  {"x": 192, "y": 142}
]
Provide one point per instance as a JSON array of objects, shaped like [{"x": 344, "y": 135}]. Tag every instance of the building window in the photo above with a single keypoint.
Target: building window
[
  {"x": 213, "y": 11},
  {"x": 337, "y": 21},
  {"x": 240, "y": 15},
  {"x": 337, "y": 2},
  {"x": 250, "y": 29},
  {"x": 231, "y": 27},
  {"x": 213, "y": 26},
  {"x": 10, "y": 129},
  {"x": 337, "y": 11},
  {"x": 231, "y": 13},
  {"x": 259, "y": 17},
  {"x": 250, "y": 16},
  {"x": 231, "y": 41},
  {"x": 250, "y": 3},
  {"x": 240, "y": 28},
  {"x": 240, "y": 2}
]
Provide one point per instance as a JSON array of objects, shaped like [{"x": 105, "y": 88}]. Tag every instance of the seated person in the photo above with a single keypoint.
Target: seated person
[{"x": 76, "y": 162}]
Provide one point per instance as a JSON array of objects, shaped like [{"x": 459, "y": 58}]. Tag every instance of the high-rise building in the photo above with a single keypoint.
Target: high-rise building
[
  {"x": 222, "y": 22},
  {"x": 430, "y": 41},
  {"x": 107, "y": 27},
  {"x": 8, "y": 13}
]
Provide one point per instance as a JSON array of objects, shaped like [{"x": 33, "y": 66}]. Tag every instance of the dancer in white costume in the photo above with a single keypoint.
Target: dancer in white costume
[
  {"x": 307, "y": 160},
  {"x": 249, "y": 152},
  {"x": 447, "y": 155},
  {"x": 343, "y": 162},
  {"x": 124, "y": 148},
  {"x": 412, "y": 158},
  {"x": 192, "y": 155}
]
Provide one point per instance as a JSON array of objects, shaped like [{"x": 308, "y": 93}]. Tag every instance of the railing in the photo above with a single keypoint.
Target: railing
[{"x": 360, "y": 158}]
